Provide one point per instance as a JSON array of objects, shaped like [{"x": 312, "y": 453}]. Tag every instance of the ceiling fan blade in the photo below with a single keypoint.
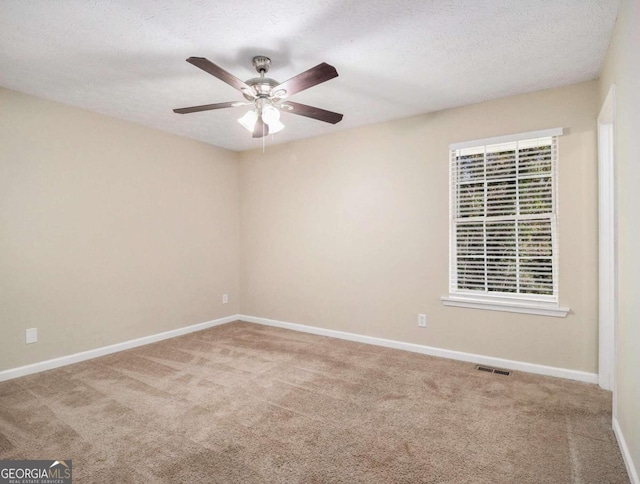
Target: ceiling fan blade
[
  {"x": 260, "y": 129},
  {"x": 207, "y": 107},
  {"x": 314, "y": 76},
  {"x": 315, "y": 113},
  {"x": 217, "y": 71}
]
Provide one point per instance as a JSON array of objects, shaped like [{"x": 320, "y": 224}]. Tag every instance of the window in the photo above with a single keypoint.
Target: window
[{"x": 504, "y": 224}]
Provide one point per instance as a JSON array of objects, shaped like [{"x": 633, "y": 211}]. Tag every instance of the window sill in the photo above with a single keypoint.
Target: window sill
[{"x": 528, "y": 307}]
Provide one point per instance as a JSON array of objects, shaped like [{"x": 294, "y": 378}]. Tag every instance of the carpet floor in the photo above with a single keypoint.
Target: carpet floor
[{"x": 243, "y": 403}]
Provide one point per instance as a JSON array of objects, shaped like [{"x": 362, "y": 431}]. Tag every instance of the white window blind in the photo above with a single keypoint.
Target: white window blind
[{"x": 503, "y": 219}]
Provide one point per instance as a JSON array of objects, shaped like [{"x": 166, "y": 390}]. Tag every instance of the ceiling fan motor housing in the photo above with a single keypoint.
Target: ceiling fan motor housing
[{"x": 261, "y": 85}]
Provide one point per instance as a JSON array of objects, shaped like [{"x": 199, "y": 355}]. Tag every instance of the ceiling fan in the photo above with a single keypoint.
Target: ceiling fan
[{"x": 268, "y": 96}]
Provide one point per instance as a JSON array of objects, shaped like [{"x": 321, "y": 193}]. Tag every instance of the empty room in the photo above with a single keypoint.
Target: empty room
[{"x": 319, "y": 241}]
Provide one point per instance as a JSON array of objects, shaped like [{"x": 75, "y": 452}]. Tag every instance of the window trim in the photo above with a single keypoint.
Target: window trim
[
  {"x": 528, "y": 304},
  {"x": 510, "y": 305},
  {"x": 509, "y": 138}
]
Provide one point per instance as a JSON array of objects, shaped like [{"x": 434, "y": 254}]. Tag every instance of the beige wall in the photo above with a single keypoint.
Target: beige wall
[
  {"x": 108, "y": 231},
  {"x": 350, "y": 231},
  {"x": 622, "y": 68}
]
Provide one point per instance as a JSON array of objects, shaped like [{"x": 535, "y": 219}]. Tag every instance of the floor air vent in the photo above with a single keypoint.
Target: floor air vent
[{"x": 497, "y": 371}]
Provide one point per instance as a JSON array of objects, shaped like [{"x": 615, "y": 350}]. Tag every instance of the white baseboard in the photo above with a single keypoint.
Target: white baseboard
[
  {"x": 430, "y": 350},
  {"x": 107, "y": 350},
  {"x": 415, "y": 348},
  {"x": 626, "y": 454}
]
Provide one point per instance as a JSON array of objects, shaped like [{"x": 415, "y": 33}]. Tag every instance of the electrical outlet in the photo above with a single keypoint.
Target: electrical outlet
[
  {"x": 225, "y": 298},
  {"x": 422, "y": 320},
  {"x": 32, "y": 335}
]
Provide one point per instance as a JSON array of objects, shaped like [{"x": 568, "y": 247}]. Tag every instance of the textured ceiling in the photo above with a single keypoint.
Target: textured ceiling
[{"x": 396, "y": 58}]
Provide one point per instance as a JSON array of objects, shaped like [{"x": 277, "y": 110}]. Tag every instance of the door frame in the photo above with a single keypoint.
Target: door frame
[{"x": 607, "y": 317}]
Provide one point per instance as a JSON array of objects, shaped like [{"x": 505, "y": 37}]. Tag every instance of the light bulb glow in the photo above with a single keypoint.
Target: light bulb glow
[
  {"x": 249, "y": 120},
  {"x": 275, "y": 126},
  {"x": 270, "y": 114}
]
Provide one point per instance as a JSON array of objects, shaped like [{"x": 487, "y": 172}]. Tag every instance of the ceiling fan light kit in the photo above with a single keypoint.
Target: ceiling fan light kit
[{"x": 267, "y": 95}]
